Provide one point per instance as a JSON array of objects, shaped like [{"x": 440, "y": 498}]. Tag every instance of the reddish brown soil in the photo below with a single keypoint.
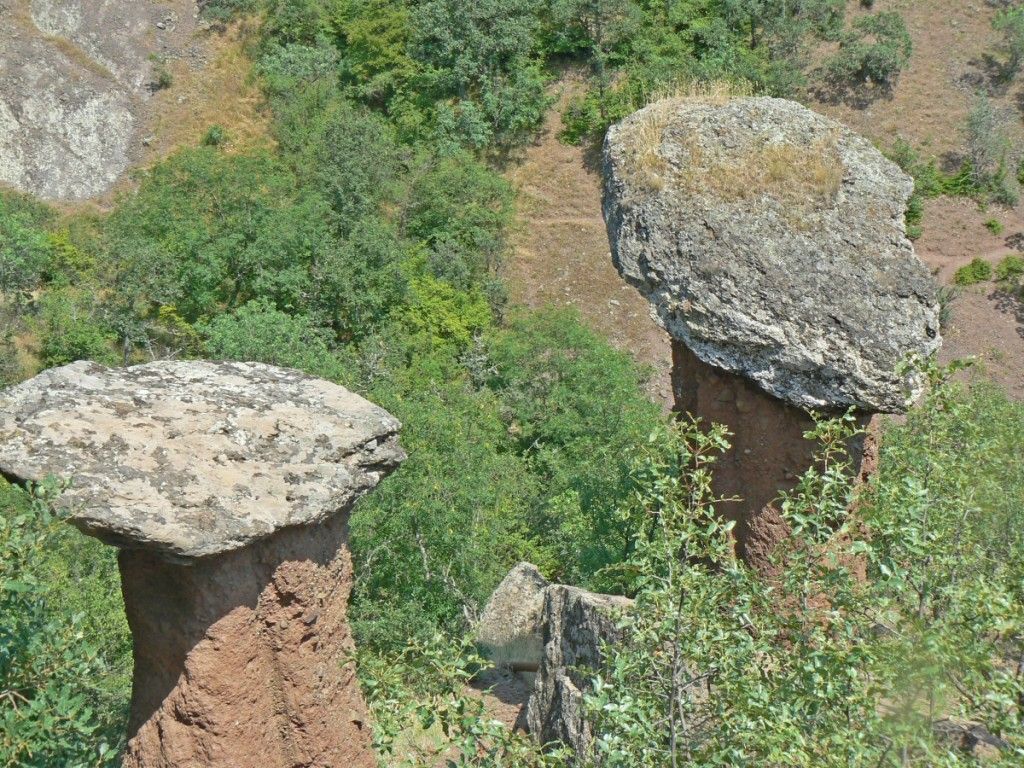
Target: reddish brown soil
[
  {"x": 560, "y": 248},
  {"x": 952, "y": 60},
  {"x": 241, "y": 658}
]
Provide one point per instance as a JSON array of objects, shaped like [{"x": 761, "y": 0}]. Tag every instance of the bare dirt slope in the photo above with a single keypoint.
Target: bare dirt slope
[
  {"x": 955, "y": 57},
  {"x": 560, "y": 248}
]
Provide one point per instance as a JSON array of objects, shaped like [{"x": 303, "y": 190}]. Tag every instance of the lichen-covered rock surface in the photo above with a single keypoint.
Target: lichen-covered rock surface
[
  {"x": 771, "y": 241},
  {"x": 191, "y": 459},
  {"x": 510, "y": 627},
  {"x": 576, "y": 625},
  {"x": 74, "y": 75}
]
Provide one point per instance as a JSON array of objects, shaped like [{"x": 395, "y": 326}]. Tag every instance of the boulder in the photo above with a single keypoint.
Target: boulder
[
  {"x": 771, "y": 241},
  {"x": 576, "y": 625},
  {"x": 510, "y": 627},
  {"x": 227, "y": 487}
]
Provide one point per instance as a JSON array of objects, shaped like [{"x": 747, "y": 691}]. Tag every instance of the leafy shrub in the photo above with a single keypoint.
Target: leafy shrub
[
  {"x": 215, "y": 136},
  {"x": 1010, "y": 267},
  {"x": 875, "y": 50},
  {"x": 65, "y": 653},
  {"x": 258, "y": 332},
  {"x": 994, "y": 226},
  {"x": 978, "y": 271},
  {"x": 1010, "y": 22},
  {"x": 990, "y": 154},
  {"x": 71, "y": 328},
  {"x": 822, "y": 667}
]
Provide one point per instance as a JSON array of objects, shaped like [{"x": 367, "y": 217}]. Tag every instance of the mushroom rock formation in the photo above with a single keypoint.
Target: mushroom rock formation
[
  {"x": 771, "y": 243},
  {"x": 226, "y": 487}
]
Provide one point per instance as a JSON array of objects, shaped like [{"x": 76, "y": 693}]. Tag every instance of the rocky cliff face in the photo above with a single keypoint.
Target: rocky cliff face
[
  {"x": 74, "y": 78},
  {"x": 770, "y": 240}
]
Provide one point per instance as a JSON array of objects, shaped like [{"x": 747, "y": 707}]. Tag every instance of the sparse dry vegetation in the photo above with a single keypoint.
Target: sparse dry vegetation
[{"x": 797, "y": 175}]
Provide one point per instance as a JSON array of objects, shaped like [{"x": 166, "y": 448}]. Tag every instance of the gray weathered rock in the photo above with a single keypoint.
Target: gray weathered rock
[
  {"x": 576, "y": 623},
  {"x": 771, "y": 241},
  {"x": 191, "y": 459},
  {"x": 73, "y": 80},
  {"x": 510, "y": 628}
]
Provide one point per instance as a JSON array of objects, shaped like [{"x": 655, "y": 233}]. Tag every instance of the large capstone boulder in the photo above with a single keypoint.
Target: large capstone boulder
[
  {"x": 577, "y": 625},
  {"x": 771, "y": 241},
  {"x": 227, "y": 487}
]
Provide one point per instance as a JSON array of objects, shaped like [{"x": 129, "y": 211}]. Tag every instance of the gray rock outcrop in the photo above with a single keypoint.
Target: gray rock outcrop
[
  {"x": 576, "y": 625},
  {"x": 771, "y": 241},
  {"x": 227, "y": 487},
  {"x": 73, "y": 78},
  {"x": 511, "y": 626}
]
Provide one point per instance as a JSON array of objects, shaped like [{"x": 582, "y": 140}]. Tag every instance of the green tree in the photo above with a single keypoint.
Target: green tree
[
  {"x": 1010, "y": 22},
  {"x": 478, "y": 58},
  {"x": 875, "y": 50},
  {"x": 65, "y": 653}
]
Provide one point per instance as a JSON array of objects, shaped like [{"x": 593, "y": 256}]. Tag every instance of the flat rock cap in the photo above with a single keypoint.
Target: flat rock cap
[
  {"x": 191, "y": 459},
  {"x": 772, "y": 242}
]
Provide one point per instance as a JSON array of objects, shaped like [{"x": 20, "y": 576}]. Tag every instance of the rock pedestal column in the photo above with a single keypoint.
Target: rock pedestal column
[
  {"x": 768, "y": 449},
  {"x": 227, "y": 487},
  {"x": 241, "y": 658}
]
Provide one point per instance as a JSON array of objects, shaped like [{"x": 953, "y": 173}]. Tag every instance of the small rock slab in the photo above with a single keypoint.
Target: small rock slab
[
  {"x": 771, "y": 241},
  {"x": 192, "y": 459}
]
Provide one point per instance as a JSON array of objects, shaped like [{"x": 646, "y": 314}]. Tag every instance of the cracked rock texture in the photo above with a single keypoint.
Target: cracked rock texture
[
  {"x": 74, "y": 76},
  {"x": 228, "y": 487},
  {"x": 771, "y": 241},
  {"x": 576, "y": 624},
  {"x": 189, "y": 459}
]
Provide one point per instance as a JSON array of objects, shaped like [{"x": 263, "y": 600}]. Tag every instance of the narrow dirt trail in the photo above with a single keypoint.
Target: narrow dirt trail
[{"x": 560, "y": 248}]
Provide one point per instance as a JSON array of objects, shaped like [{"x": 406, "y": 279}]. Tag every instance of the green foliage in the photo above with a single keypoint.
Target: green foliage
[
  {"x": 201, "y": 235},
  {"x": 478, "y": 60},
  {"x": 259, "y": 332},
  {"x": 978, "y": 271},
  {"x": 162, "y": 77},
  {"x": 989, "y": 153},
  {"x": 575, "y": 409},
  {"x": 875, "y": 50},
  {"x": 431, "y": 543},
  {"x": 460, "y": 210},
  {"x": 995, "y": 226},
  {"x": 1010, "y": 273},
  {"x": 1010, "y": 22},
  {"x": 423, "y": 714},
  {"x": 24, "y": 245},
  {"x": 215, "y": 136},
  {"x": 71, "y": 328},
  {"x": 65, "y": 654},
  {"x": 821, "y": 667}
]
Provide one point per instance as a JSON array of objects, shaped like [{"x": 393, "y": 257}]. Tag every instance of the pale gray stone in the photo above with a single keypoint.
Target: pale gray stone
[
  {"x": 577, "y": 624},
  {"x": 75, "y": 76},
  {"x": 510, "y": 628},
  {"x": 191, "y": 459},
  {"x": 771, "y": 241}
]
